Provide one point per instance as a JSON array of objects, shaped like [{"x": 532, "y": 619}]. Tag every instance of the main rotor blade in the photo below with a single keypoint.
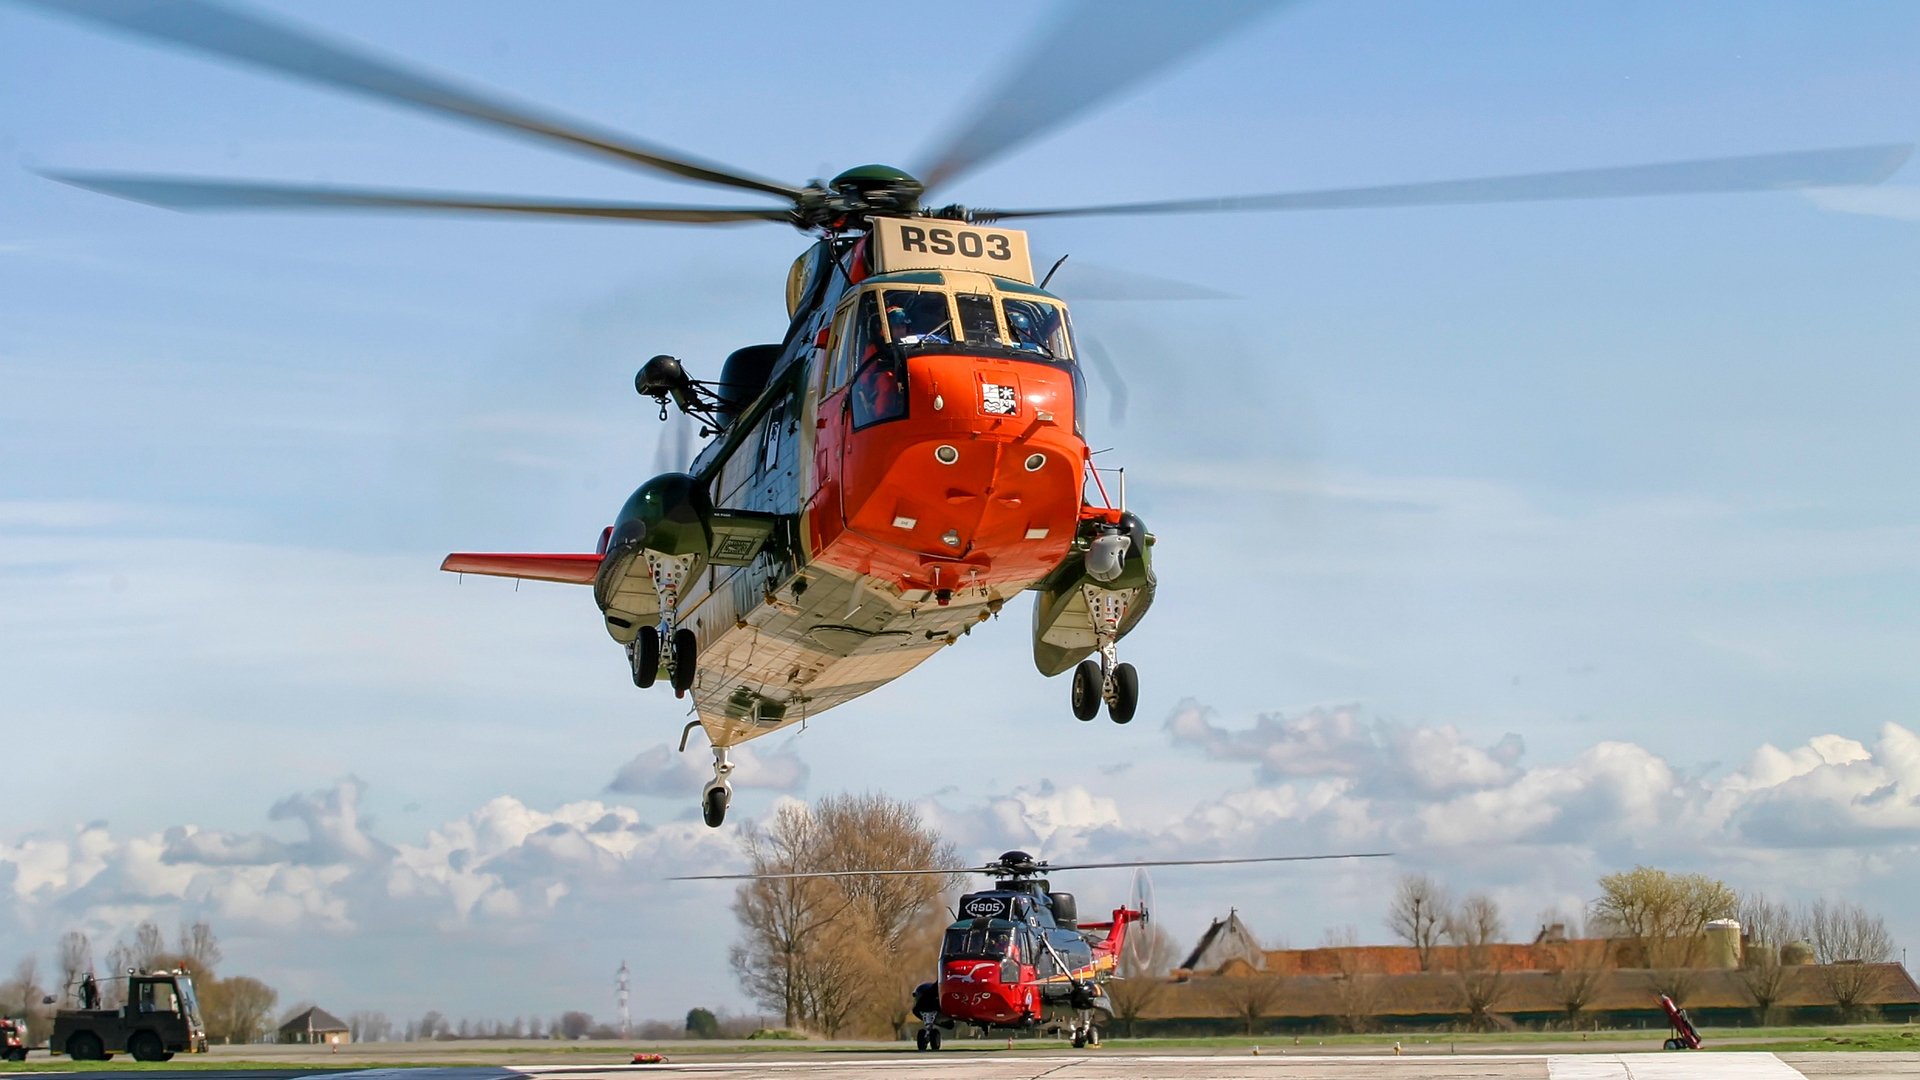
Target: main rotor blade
[
  {"x": 1039, "y": 868},
  {"x": 175, "y": 193},
  {"x": 1093, "y": 51},
  {"x": 1050, "y": 868},
  {"x": 1758, "y": 172},
  {"x": 254, "y": 39},
  {"x": 837, "y": 874}
]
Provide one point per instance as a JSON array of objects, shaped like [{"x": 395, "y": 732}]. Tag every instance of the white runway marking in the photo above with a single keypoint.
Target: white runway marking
[{"x": 1670, "y": 1065}]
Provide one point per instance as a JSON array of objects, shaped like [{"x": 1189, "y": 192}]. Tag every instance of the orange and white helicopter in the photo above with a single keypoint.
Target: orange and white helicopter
[{"x": 908, "y": 453}]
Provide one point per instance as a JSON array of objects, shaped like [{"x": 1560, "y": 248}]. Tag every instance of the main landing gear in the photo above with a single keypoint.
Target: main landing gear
[
  {"x": 681, "y": 648},
  {"x": 1082, "y": 1031},
  {"x": 1106, "y": 679},
  {"x": 718, "y": 794}
]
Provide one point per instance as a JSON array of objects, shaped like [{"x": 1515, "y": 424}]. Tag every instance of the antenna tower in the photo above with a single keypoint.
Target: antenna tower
[{"x": 620, "y": 1001}]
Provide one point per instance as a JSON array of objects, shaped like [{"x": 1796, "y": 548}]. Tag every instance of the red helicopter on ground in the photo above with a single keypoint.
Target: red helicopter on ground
[
  {"x": 910, "y": 454},
  {"x": 1018, "y": 957}
]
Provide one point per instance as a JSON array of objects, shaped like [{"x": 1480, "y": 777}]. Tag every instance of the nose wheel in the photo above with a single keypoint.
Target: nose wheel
[
  {"x": 1106, "y": 679},
  {"x": 718, "y": 794},
  {"x": 927, "y": 1038}
]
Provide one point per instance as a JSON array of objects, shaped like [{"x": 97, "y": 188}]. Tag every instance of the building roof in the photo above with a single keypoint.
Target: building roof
[
  {"x": 1226, "y": 940},
  {"x": 314, "y": 1019},
  {"x": 1436, "y": 993}
]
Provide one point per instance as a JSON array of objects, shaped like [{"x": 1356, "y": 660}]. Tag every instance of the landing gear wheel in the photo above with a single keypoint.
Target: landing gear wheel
[
  {"x": 933, "y": 1038},
  {"x": 646, "y": 657},
  {"x": 920, "y": 1039},
  {"x": 1093, "y": 1036},
  {"x": 145, "y": 1046},
  {"x": 1126, "y": 693},
  {"x": 713, "y": 805},
  {"x": 686, "y": 653},
  {"x": 17, "y": 1055},
  {"x": 1078, "y": 1041},
  {"x": 86, "y": 1046},
  {"x": 1086, "y": 690}
]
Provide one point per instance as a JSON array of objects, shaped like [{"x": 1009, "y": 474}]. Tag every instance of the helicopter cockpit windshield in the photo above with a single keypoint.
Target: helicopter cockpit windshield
[
  {"x": 966, "y": 321},
  {"x": 988, "y": 943}
]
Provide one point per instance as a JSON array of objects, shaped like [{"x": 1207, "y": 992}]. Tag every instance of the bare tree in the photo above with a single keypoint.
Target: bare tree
[
  {"x": 1850, "y": 942},
  {"x": 113, "y": 988},
  {"x": 1356, "y": 991},
  {"x": 76, "y": 959},
  {"x": 365, "y": 1027},
  {"x": 1475, "y": 930},
  {"x": 20, "y": 996},
  {"x": 843, "y": 952},
  {"x": 1146, "y": 958},
  {"x": 1579, "y": 966},
  {"x": 199, "y": 947},
  {"x": 780, "y": 919},
  {"x": 1248, "y": 998},
  {"x": 905, "y": 913},
  {"x": 1767, "y": 925},
  {"x": 1764, "y": 921},
  {"x": 1418, "y": 915},
  {"x": 148, "y": 945}
]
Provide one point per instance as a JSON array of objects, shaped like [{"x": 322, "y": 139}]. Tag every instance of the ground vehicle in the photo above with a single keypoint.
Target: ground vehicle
[
  {"x": 161, "y": 1018},
  {"x": 13, "y": 1040}
]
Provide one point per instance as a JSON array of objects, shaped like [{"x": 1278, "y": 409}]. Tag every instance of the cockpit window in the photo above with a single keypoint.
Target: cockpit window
[
  {"x": 967, "y": 943},
  {"x": 1033, "y": 326},
  {"x": 977, "y": 324},
  {"x": 918, "y": 317}
]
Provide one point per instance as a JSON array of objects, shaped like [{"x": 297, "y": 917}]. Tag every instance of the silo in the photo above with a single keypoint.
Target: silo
[
  {"x": 1795, "y": 953},
  {"x": 1760, "y": 954},
  {"x": 1723, "y": 943}
]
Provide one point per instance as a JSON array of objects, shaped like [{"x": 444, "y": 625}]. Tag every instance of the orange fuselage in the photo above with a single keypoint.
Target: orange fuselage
[{"x": 977, "y": 485}]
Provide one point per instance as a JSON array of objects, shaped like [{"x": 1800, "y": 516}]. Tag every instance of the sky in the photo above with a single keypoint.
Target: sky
[{"x": 1528, "y": 542}]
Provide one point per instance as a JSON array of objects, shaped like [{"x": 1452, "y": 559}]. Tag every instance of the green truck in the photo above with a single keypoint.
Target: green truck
[{"x": 161, "y": 1018}]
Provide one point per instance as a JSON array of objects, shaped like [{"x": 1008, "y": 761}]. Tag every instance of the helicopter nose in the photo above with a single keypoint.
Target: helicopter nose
[{"x": 984, "y": 468}]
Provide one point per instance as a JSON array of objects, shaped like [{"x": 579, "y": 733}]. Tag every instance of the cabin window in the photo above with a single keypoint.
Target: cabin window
[
  {"x": 1033, "y": 326},
  {"x": 858, "y": 343},
  {"x": 880, "y": 390},
  {"x": 836, "y": 344},
  {"x": 918, "y": 317},
  {"x": 977, "y": 324}
]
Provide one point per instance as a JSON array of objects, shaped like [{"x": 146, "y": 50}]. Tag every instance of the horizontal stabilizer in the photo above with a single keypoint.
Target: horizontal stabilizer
[{"x": 565, "y": 569}]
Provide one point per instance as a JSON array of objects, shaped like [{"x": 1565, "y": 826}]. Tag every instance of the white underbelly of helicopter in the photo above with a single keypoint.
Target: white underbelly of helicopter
[{"x": 771, "y": 657}]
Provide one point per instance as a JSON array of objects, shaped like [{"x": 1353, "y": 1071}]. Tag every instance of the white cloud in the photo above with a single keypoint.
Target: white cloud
[
  {"x": 1380, "y": 755},
  {"x": 662, "y": 770}
]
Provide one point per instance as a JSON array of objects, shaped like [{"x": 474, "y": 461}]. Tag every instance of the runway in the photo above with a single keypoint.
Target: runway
[{"x": 1120, "y": 1065}]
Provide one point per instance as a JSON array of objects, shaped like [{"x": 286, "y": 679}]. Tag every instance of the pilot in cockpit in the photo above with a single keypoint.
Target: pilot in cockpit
[
  {"x": 1024, "y": 328},
  {"x": 918, "y": 318}
]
